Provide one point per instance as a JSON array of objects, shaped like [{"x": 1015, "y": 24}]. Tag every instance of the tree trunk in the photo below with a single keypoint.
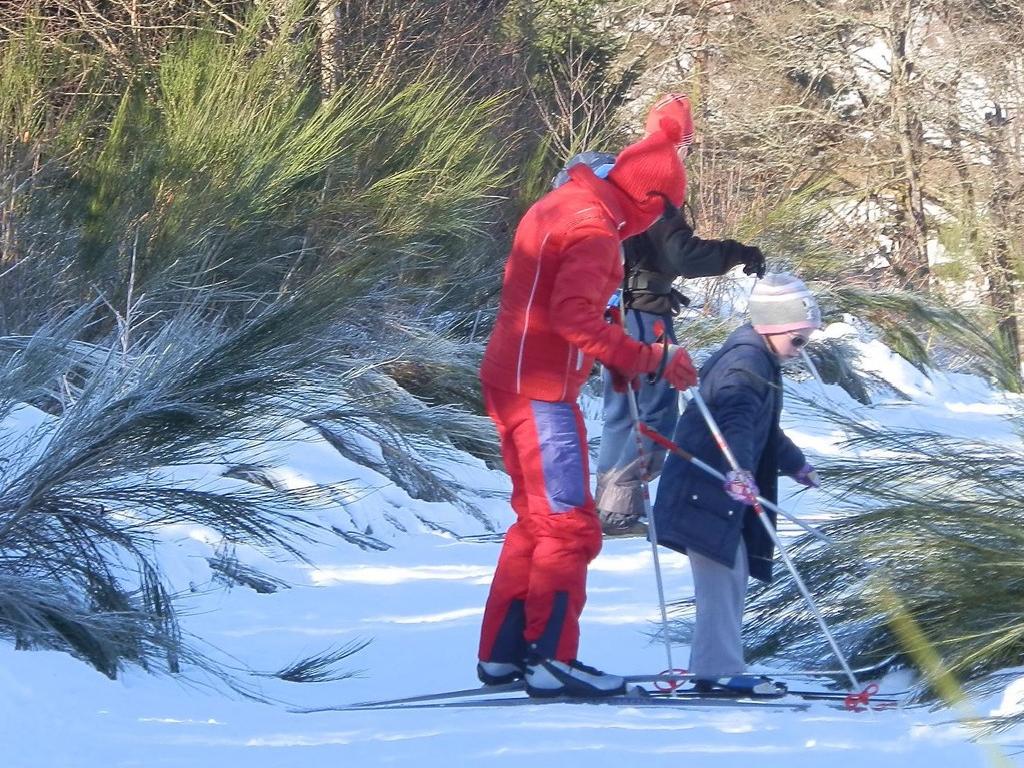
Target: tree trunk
[
  {"x": 1000, "y": 267},
  {"x": 912, "y": 240},
  {"x": 329, "y": 12},
  {"x": 965, "y": 184}
]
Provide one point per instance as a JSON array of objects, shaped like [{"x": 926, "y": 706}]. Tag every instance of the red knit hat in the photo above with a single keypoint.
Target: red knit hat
[
  {"x": 676, "y": 108},
  {"x": 646, "y": 173}
]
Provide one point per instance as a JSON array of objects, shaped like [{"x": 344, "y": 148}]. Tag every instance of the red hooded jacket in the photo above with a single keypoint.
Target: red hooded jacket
[{"x": 566, "y": 262}]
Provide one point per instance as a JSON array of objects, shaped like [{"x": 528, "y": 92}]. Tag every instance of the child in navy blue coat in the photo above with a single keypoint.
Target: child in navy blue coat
[{"x": 716, "y": 525}]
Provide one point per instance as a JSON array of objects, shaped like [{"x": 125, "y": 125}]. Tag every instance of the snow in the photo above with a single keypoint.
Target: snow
[
  {"x": 1012, "y": 702},
  {"x": 420, "y": 602}
]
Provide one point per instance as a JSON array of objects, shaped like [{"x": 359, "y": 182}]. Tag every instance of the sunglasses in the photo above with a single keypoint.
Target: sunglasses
[{"x": 797, "y": 340}]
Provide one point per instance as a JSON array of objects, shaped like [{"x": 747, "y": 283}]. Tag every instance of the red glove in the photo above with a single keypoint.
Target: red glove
[
  {"x": 660, "y": 360},
  {"x": 679, "y": 371}
]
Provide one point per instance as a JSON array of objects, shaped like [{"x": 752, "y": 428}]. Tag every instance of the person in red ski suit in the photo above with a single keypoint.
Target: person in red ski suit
[{"x": 565, "y": 263}]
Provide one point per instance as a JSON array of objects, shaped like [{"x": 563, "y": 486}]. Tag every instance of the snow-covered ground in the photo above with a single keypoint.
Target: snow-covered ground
[{"x": 420, "y": 603}]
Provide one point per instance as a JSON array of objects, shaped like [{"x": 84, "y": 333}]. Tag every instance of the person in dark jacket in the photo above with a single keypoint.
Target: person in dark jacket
[
  {"x": 716, "y": 525},
  {"x": 654, "y": 259}
]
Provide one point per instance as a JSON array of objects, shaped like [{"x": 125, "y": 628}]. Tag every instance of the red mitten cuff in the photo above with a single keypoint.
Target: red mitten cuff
[{"x": 632, "y": 358}]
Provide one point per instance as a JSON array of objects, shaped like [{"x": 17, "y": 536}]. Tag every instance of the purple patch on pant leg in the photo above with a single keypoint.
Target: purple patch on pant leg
[{"x": 561, "y": 453}]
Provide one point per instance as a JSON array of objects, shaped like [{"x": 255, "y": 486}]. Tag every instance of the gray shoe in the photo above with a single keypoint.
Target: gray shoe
[
  {"x": 741, "y": 685},
  {"x": 624, "y": 526}
]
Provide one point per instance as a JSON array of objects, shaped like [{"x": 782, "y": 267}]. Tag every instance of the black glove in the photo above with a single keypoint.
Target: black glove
[{"x": 752, "y": 259}]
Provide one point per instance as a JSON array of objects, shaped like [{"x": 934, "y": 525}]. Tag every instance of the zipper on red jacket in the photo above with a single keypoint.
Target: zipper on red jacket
[
  {"x": 526, "y": 319},
  {"x": 565, "y": 377}
]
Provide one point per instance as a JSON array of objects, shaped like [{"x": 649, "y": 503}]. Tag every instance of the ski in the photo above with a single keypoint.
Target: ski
[
  {"x": 488, "y": 690},
  {"x": 887, "y": 700},
  {"x": 792, "y": 700},
  {"x": 797, "y": 704},
  {"x": 866, "y": 673},
  {"x": 625, "y": 700},
  {"x": 490, "y": 696},
  {"x": 519, "y": 685},
  {"x": 480, "y": 690}
]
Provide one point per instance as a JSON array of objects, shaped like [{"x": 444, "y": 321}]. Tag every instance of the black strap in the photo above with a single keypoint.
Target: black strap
[
  {"x": 660, "y": 370},
  {"x": 646, "y": 281}
]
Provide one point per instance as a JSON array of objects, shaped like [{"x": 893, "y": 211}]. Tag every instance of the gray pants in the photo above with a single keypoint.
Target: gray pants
[
  {"x": 620, "y": 472},
  {"x": 720, "y": 591}
]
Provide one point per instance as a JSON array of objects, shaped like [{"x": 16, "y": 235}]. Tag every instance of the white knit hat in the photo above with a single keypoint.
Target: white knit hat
[{"x": 781, "y": 302}]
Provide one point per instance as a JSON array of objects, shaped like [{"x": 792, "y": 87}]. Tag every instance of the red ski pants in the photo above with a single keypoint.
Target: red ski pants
[{"x": 539, "y": 586}]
